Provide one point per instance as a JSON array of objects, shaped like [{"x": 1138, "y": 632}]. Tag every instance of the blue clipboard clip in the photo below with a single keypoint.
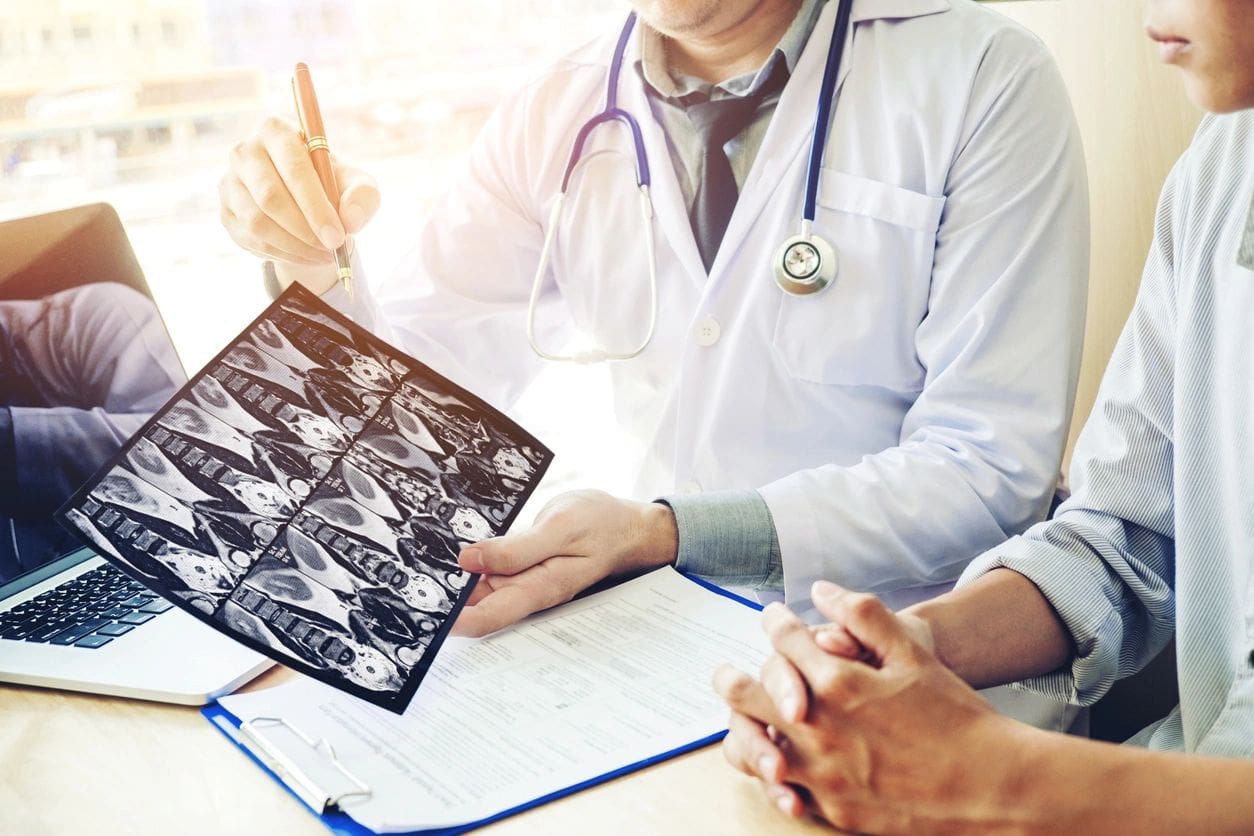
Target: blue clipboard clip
[{"x": 298, "y": 778}]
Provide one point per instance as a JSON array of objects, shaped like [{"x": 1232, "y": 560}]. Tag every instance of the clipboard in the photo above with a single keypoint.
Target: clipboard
[{"x": 309, "y": 770}]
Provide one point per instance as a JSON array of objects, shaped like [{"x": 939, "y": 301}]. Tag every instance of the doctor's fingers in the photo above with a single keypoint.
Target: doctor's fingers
[
  {"x": 256, "y": 232},
  {"x": 508, "y": 599},
  {"x": 514, "y": 553},
  {"x": 275, "y": 167}
]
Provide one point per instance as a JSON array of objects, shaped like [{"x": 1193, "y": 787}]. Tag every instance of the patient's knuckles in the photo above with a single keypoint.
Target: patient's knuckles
[
  {"x": 864, "y": 607},
  {"x": 837, "y": 687},
  {"x": 844, "y": 816},
  {"x": 738, "y": 688},
  {"x": 784, "y": 628}
]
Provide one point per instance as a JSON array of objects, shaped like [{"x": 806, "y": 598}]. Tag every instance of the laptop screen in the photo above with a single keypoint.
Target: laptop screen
[{"x": 81, "y": 369}]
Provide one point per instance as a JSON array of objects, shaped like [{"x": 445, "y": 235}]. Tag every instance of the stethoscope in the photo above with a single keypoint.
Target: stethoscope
[{"x": 804, "y": 265}]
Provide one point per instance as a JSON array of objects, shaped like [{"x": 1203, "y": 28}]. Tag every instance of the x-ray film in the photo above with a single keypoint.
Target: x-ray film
[{"x": 307, "y": 494}]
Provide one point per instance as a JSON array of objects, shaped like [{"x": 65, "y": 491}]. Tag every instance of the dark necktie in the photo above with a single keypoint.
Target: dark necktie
[{"x": 716, "y": 123}]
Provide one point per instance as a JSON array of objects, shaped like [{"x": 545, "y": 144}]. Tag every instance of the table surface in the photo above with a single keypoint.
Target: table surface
[{"x": 76, "y": 763}]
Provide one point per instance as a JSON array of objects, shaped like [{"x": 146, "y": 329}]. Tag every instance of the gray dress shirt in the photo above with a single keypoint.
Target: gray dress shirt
[
  {"x": 671, "y": 92},
  {"x": 726, "y": 535},
  {"x": 1158, "y": 538}
]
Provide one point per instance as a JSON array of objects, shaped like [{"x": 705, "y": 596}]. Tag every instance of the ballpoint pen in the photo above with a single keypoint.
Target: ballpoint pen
[{"x": 315, "y": 136}]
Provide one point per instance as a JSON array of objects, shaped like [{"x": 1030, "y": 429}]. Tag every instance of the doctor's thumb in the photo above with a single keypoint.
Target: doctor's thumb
[{"x": 359, "y": 197}]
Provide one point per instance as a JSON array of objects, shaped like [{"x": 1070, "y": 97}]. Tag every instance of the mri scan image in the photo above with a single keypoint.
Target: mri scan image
[{"x": 308, "y": 492}]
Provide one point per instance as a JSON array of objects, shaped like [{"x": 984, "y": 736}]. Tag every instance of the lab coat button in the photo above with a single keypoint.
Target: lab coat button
[
  {"x": 708, "y": 331},
  {"x": 690, "y": 487}
]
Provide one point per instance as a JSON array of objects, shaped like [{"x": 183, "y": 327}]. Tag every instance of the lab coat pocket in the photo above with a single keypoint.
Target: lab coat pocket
[{"x": 860, "y": 331}]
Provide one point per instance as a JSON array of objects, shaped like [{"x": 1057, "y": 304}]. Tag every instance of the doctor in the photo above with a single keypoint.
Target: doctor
[{"x": 879, "y": 432}]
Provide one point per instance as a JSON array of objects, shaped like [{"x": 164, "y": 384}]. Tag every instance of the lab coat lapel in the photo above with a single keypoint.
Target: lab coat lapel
[
  {"x": 788, "y": 135},
  {"x": 792, "y": 125},
  {"x": 670, "y": 213}
]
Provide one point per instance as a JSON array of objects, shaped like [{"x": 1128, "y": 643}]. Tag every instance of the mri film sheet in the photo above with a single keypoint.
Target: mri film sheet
[{"x": 307, "y": 494}]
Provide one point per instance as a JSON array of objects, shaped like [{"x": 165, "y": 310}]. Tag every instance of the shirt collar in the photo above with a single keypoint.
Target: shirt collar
[{"x": 660, "y": 80}]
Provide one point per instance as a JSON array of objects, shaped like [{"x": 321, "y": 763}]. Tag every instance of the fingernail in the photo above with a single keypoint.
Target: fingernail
[
  {"x": 791, "y": 708},
  {"x": 767, "y": 766},
  {"x": 354, "y": 217},
  {"x": 330, "y": 237},
  {"x": 824, "y": 589},
  {"x": 784, "y": 803},
  {"x": 471, "y": 560}
]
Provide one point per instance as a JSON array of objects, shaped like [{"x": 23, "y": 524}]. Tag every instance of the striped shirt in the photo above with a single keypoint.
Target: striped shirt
[{"x": 1159, "y": 535}]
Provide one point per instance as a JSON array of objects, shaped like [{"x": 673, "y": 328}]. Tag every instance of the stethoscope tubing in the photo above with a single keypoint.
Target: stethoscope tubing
[
  {"x": 827, "y": 104},
  {"x": 613, "y": 113}
]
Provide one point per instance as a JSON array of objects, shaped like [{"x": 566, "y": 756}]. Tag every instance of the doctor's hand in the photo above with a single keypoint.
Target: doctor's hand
[
  {"x": 893, "y": 743},
  {"x": 578, "y": 539},
  {"x": 273, "y": 205}
]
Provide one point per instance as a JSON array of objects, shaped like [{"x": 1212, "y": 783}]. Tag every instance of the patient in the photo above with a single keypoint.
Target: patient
[{"x": 871, "y": 722}]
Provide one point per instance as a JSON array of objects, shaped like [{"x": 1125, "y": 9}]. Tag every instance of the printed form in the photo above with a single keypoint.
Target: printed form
[{"x": 585, "y": 689}]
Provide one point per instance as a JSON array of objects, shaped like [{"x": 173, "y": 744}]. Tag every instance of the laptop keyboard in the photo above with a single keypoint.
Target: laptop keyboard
[{"x": 89, "y": 611}]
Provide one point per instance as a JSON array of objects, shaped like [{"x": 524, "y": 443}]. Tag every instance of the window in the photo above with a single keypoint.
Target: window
[{"x": 137, "y": 103}]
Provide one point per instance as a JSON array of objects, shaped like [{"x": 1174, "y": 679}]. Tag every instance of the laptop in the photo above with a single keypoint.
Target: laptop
[{"x": 85, "y": 359}]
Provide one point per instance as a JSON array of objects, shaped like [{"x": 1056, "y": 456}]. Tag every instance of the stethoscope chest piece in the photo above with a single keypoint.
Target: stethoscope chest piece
[{"x": 806, "y": 264}]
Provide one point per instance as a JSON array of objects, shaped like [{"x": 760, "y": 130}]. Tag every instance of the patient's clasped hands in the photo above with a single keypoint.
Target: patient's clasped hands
[{"x": 859, "y": 722}]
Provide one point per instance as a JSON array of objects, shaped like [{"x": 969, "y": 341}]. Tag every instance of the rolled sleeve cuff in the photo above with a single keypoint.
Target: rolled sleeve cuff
[
  {"x": 727, "y": 537},
  {"x": 1077, "y": 586}
]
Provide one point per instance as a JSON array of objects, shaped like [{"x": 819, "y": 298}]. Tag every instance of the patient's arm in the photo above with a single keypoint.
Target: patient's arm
[
  {"x": 902, "y": 745},
  {"x": 998, "y": 629}
]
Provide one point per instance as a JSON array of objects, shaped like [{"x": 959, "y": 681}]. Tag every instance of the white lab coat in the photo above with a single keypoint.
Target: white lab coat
[{"x": 897, "y": 424}]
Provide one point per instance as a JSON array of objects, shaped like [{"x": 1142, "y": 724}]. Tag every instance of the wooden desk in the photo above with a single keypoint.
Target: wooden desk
[{"x": 78, "y": 764}]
